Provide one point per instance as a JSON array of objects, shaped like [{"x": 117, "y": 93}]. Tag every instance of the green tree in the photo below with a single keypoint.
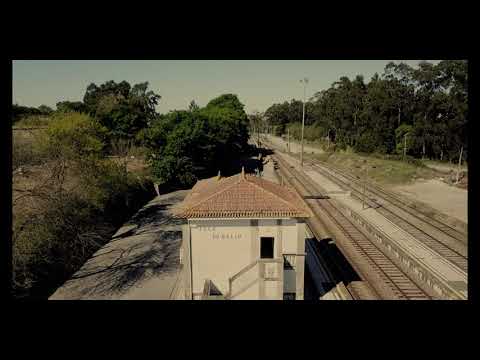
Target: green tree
[
  {"x": 69, "y": 106},
  {"x": 193, "y": 106},
  {"x": 186, "y": 145},
  {"x": 403, "y": 132},
  {"x": 122, "y": 109},
  {"x": 431, "y": 99},
  {"x": 74, "y": 136},
  {"x": 19, "y": 112},
  {"x": 45, "y": 110}
]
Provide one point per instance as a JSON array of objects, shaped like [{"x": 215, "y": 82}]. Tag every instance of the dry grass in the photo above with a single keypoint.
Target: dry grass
[
  {"x": 387, "y": 172},
  {"x": 26, "y": 147}
]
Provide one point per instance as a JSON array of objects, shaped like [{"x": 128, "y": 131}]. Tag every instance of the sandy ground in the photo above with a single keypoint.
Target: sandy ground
[
  {"x": 445, "y": 168},
  {"x": 294, "y": 147},
  {"x": 445, "y": 198}
]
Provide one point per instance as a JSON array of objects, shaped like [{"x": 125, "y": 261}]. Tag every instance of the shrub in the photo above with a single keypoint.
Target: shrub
[
  {"x": 50, "y": 245},
  {"x": 75, "y": 135},
  {"x": 73, "y": 210}
]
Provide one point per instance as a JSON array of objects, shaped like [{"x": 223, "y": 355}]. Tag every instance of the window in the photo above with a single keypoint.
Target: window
[{"x": 266, "y": 248}]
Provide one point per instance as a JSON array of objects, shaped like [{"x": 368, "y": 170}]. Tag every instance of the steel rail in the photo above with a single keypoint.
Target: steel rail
[
  {"x": 371, "y": 263},
  {"x": 439, "y": 246}
]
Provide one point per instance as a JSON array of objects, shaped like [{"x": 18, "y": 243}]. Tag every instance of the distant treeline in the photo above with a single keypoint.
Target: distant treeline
[
  {"x": 428, "y": 104},
  {"x": 19, "y": 112}
]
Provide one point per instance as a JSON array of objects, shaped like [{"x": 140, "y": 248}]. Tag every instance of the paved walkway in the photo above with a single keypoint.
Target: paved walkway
[{"x": 140, "y": 262}]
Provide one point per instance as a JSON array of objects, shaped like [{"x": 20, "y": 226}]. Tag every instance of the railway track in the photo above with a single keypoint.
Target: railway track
[
  {"x": 395, "y": 284},
  {"x": 403, "y": 204},
  {"x": 393, "y": 209}
]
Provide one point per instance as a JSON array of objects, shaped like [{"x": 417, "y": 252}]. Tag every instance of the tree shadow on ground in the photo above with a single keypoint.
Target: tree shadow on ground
[
  {"x": 130, "y": 266},
  {"x": 147, "y": 246}
]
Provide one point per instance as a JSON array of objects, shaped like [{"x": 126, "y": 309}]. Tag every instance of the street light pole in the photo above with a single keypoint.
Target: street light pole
[
  {"x": 288, "y": 144},
  {"x": 305, "y": 82},
  {"x": 365, "y": 189}
]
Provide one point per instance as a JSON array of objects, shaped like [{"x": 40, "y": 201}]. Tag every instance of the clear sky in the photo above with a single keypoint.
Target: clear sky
[{"x": 258, "y": 83}]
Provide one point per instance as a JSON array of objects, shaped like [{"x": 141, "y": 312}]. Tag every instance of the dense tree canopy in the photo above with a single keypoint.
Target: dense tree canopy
[
  {"x": 71, "y": 106},
  {"x": 187, "y": 145},
  {"x": 124, "y": 110},
  {"x": 430, "y": 101}
]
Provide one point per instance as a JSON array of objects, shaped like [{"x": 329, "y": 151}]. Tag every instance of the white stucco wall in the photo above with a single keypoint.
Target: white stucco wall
[{"x": 221, "y": 248}]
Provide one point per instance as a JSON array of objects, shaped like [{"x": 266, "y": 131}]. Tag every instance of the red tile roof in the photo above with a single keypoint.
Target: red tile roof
[{"x": 242, "y": 196}]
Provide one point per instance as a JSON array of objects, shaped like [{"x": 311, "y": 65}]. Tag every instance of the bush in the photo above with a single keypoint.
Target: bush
[
  {"x": 366, "y": 143},
  {"x": 75, "y": 135},
  {"x": 409, "y": 159},
  {"x": 73, "y": 209},
  {"x": 311, "y": 132},
  {"x": 50, "y": 245}
]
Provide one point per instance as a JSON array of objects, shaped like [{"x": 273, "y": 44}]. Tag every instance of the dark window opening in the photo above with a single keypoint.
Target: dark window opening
[{"x": 266, "y": 248}]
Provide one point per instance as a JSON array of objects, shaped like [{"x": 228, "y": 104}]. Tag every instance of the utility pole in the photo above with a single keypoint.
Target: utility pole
[
  {"x": 305, "y": 82},
  {"x": 288, "y": 145},
  {"x": 459, "y": 163}
]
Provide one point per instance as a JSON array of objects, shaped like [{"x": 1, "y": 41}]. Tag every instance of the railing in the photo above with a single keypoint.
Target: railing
[
  {"x": 210, "y": 292},
  {"x": 256, "y": 272},
  {"x": 290, "y": 260},
  {"x": 339, "y": 292}
]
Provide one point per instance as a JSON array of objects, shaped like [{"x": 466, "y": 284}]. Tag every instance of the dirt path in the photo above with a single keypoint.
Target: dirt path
[{"x": 445, "y": 198}]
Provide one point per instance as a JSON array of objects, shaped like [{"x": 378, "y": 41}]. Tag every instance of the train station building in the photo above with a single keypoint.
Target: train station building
[{"x": 244, "y": 238}]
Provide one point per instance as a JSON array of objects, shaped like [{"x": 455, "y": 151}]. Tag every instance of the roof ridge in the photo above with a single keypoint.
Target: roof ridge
[{"x": 277, "y": 196}]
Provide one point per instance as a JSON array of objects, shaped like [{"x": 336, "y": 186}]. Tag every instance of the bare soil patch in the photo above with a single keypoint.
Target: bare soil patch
[{"x": 447, "y": 199}]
